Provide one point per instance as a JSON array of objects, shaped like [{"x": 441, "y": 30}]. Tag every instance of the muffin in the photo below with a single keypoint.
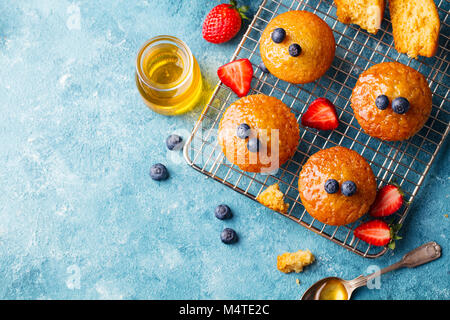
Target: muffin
[
  {"x": 258, "y": 133},
  {"x": 337, "y": 186},
  {"x": 391, "y": 101},
  {"x": 297, "y": 46}
]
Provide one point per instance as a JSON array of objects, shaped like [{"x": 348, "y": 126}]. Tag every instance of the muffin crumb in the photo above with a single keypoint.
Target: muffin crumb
[
  {"x": 297, "y": 281},
  {"x": 296, "y": 261},
  {"x": 272, "y": 198}
]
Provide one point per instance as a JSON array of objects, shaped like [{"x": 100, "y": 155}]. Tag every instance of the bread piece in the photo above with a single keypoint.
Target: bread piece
[
  {"x": 295, "y": 261},
  {"x": 272, "y": 197},
  {"x": 368, "y": 14},
  {"x": 415, "y": 26}
]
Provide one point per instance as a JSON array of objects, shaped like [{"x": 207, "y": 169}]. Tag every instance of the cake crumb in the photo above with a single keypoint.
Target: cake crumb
[
  {"x": 297, "y": 281},
  {"x": 296, "y": 261},
  {"x": 446, "y": 215},
  {"x": 272, "y": 198}
]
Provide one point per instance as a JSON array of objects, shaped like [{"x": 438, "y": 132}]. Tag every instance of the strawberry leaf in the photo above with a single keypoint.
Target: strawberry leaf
[
  {"x": 243, "y": 16},
  {"x": 243, "y": 9},
  {"x": 395, "y": 228}
]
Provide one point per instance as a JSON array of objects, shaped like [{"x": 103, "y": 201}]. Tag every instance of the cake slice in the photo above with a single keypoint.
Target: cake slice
[
  {"x": 415, "y": 26},
  {"x": 368, "y": 14},
  {"x": 296, "y": 261},
  {"x": 272, "y": 197}
]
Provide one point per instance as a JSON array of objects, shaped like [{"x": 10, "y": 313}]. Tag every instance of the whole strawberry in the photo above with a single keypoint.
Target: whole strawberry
[{"x": 223, "y": 22}]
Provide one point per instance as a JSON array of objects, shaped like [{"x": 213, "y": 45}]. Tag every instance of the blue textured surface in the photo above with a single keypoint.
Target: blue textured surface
[{"x": 77, "y": 203}]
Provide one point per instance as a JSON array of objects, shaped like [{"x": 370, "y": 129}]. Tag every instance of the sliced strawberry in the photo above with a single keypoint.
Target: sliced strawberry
[
  {"x": 321, "y": 114},
  {"x": 237, "y": 75},
  {"x": 375, "y": 232},
  {"x": 389, "y": 199}
]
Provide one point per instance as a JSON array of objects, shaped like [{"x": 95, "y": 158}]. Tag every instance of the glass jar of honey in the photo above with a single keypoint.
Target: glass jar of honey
[{"x": 168, "y": 76}]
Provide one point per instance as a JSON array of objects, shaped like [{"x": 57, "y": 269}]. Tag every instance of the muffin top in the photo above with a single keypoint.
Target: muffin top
[
  {"x": 305, "y": 52},
  {"x": 270, "y": 122},
  {"x": 342, "y": 165},
  {"x": 393, "y": 80}
]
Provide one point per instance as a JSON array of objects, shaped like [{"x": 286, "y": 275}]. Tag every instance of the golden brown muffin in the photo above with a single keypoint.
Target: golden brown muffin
[
  {"x": 271, "y": 122},
  {"x": 394, "y": 80},
  {"x": 272, "y": 198},
  {"x": 368, "y": 14},
  {"x": 341, "y": 164},
  {"x": 296, "y": 261},
  {"x": 315, "y": 39},
  {"x": 415, "y": 26}
]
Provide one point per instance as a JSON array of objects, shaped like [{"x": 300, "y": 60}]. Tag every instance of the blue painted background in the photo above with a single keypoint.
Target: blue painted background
[{"x": 79, "y": 215}]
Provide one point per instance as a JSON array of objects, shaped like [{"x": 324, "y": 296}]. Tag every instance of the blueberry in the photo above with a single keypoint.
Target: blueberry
[
  {"x": 331, "y": 186},
  {"x": 263, "y": 67},
  {"x": 159, "y": 172},
  {"x": 382, "y": 102},
  {"x": 295, "y": 50},
  {"x": 174, "y": 142},
  {"x": 243, "y": 131},
  {"x": 253, "y": 145},
  {"x": 228, "y": 236},
  {"x": 222, "y": 212},
  {"x": 400, "y": 105},
  {"x": 348, "y": 188},
  {"x": 278, "y": 35}
]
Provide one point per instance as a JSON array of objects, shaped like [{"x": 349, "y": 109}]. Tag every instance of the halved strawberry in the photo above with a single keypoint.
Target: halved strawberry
[
  {"x": 321, "y": 114},
  {"x": 375, "y": 232},
  {"x": 389, "y": 199},
  {"x": 237, "y": 75}
]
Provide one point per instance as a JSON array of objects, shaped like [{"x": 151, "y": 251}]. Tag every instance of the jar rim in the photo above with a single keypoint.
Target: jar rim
[{"x": 180, "y": 44}]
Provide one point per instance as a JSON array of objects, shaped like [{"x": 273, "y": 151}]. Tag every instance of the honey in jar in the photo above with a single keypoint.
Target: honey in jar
[{"x": 168, "y": 76}]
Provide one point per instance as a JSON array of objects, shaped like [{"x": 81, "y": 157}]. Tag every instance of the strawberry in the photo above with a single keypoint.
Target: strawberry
[
  {"x": 389, "y": 199},
  {"x": 321, "y": 114},
  {"x": 375, "y": 232},
  {"x": 378, "y": 233},
  {"x": 237, "y": 75},
  {"x": 223, "y": 22}
]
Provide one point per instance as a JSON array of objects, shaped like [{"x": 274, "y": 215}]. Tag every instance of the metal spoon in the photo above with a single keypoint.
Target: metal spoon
[{"x": 421, "y": 255}]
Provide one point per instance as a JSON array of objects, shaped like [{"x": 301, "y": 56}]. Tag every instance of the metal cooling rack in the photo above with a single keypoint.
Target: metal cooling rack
[{"x": 404, "y": 162}]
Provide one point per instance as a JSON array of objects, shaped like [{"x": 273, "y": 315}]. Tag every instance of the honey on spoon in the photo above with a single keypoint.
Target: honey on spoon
[{"x": 334, "y": 288}]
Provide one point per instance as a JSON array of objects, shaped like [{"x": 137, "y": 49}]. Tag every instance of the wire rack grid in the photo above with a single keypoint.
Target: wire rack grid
[{"x": 404, "y": 162}]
